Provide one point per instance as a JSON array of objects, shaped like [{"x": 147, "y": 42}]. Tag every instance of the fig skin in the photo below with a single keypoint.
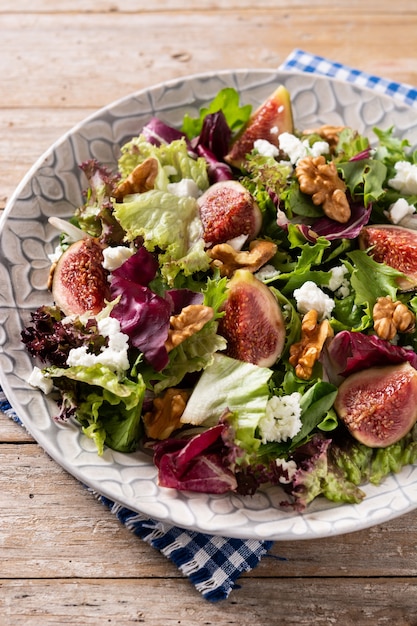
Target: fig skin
[
  {"x": 273, "y": 117},
  {"x": 396, "y": 246},
  {"x": 253, "y": 325},
  {"x": 379, "y": 405},
  {"x": 79, "y": 283},
  {"x": 228, "y": 210}
]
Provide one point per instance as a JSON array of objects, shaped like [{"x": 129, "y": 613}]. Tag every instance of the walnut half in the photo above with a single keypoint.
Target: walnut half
[
  {"x": 320, "y": 180},
  {"x": 305, "y": 353},
  {"x": 191, "y": 319},
  {"x": 327, "y": 132},
  {"x": 392, "y": 317},
  {"x": 228, "y": 260}
]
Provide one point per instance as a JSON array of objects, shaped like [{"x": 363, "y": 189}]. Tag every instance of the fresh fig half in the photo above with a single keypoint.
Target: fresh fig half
[
  {"x": 379, "y": 405},
  {"x": 268, "y": 121},
  {"x": 253, "y": 325},
  {"x": 227, "y": 211},
  {"x": 79, "y": 283},
  {"x": 396, "y": 246}
]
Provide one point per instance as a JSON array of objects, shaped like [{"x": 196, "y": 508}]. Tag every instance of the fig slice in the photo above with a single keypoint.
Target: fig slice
[
  {"x": 268, "y": 121},
  {"x": 396, "y": 246},
  {"x": 227, "y": 211},
  {"x": 379, "y": 405},
  {"x": 79, "y": 282},
  {"x": 253, "y": 325}
]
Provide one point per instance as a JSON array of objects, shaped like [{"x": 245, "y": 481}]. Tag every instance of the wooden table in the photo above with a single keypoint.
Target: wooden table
[{"x": 64, "y": 559}]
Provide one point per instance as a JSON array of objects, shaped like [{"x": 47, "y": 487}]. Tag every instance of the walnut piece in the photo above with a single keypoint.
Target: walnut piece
[
  {"x": 191, "y": 319},
  {"x": 306, "y": 352},
  {"x": 141, "y": 179},
  {"x": 392, "y": 317},
  {"x": 228, "y": 260},
  {"x": 320, "y": 180},
  {"x": 166, "y": 414},
  {"x": 327, "y": 132}
]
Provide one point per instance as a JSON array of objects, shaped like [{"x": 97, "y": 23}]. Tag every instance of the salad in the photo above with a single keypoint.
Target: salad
[{"x": 238, "y": 300}]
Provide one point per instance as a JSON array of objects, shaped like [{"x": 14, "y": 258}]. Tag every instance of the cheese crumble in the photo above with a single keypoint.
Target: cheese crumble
[
  {"x": 405, "y": 179},
  {"x": 310, "y": 296},
  {"x": 114, "y": 355},
  {"x": 297, "y": 149},
  {"x": 282, "y": 418},
  {"x": 399, "y": 210}
]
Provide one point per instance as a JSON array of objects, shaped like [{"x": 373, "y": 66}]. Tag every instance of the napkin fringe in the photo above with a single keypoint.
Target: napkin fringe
[{"x": 191, "y": 551}]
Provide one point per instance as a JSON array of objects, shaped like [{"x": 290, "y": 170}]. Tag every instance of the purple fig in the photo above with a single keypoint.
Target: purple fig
[
  {"x": 396, "y": 246},
  {"x": 228, "y": 210},
  {"x": 253, "y": 324},
  {"x": 379, "y": 405},
  {"x": 79, "y": 282},
  {"x": 271, "y": 118}
]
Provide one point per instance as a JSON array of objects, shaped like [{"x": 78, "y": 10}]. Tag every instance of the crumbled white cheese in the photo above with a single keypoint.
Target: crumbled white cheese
[
  {"x": 114, "y": 355},
  {"x": 53, "y": 258},
  {"x": 282, "y": 418},
  {"x": 338, "y": 282},
  {"x": 318, "y": 148},
  {"x": 114, "y": 257},
  {"x": 310, "y": 296},
  {"x": 274, "y": 130},
  {"x": 399, "y": 210},
  {"x": 186, "y": 187},
  {"x": 238, "y": 242},
  {"x": 292, "y": 146},
  {"x": 297, "y": 149},
  {"x": 290, "y": 467},
  {"x": 266, "y": 148},
  {"x": 38, "y": 379},
  {"x": 266, "y": 272},
  {"x": 405, "y": 179}
]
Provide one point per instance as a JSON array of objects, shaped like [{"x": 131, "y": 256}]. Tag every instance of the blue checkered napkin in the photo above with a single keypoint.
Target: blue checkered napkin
[
  {"x": 313, "y": 64},
  {"x": 212, "y": 564}
]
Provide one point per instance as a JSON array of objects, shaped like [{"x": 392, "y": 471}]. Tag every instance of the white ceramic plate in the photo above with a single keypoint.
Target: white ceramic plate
[{"x": 54, "y": 187}]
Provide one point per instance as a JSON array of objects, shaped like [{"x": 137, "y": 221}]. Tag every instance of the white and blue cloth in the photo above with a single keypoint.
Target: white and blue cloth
[{"x": 213, "y": 564}]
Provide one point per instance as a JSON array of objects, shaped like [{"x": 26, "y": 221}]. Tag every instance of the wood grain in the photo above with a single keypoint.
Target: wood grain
[
  {"x": 64, "y": 558},
  {"x": 105, "y": 57},
  {"x": 123, "y": 602}
]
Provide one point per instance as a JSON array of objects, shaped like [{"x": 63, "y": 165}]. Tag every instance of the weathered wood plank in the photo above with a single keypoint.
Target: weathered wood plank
[
  {"x": 137, "y": 6},
  {"x": 168, "y": 603},
  {"x": 72, "y": 533},
  {"x": 156, "y": 47}
]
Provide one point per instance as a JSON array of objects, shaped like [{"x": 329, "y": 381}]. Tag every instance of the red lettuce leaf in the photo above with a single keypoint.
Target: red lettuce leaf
[
  {"x": 157, "y": 132},
  {"x": 350, "y": 352},
  {"x": 326, "y": 227},
  {"x": 143, "y": 315},
  {"x": 196, "y": 464}
]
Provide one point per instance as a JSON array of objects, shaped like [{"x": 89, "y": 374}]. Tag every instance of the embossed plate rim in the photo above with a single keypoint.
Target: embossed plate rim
[{"x": 131, "y": 479}]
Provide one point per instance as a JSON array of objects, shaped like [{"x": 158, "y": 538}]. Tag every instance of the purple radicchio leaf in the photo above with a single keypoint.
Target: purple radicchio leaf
[
  {"x": 181, "y": 298},
  {"x": 350, "y": 352},
  {"x": 157, "y": 132},
  {"x": 195, "y": 464},
  {"x": 215, "y": 135},
  {"x": 217, "y": 170},
  {"x": 326, "y": 227},
  {"x": 143, "y": 315}
]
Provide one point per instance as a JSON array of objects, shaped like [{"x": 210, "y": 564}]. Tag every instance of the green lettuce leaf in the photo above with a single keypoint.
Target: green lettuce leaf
[
  {"x": 228, "y": 384},
  {"x": 169, "y": 223},
  {"x": 371, "y": 280},
  {"x": 227, "y": 101},
  {"x": 107, "y": 407},
  {"x": 175, "y": 163},
  {"x": 361, "y": 464}
]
